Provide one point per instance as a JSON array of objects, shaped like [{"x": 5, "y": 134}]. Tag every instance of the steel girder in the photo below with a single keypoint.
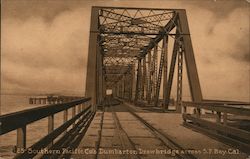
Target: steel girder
[
  {"x": 124, "y": 32},
  {"x": 127, "y": 41}
]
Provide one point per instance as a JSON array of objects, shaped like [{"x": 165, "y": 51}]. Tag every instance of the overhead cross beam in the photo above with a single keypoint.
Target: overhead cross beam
[
  {"x": 144, "y": 25},
  {"x": 167, "y": 28}
]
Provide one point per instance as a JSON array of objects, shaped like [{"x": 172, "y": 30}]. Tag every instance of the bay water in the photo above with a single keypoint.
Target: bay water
[{"x": 35, "y": 130}]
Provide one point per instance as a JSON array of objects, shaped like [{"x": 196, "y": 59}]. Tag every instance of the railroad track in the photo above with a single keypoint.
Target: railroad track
[
  {"x": 127, "y": 142},
  {"x": 169, "y": 143},
  {"x": 98, "y": 143}
]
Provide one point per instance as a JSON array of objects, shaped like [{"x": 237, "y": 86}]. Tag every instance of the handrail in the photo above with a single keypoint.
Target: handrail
[
  {"x": 19, "y": 119},
  {"x": 82, "y": 110},
  {"x": 207, "y": 102},
  {"x": 42, "y": 143},
  {"x": 222, "y": 107},
  {"x": 225, "y": 102},
  {"x": 220, "y": 128}
]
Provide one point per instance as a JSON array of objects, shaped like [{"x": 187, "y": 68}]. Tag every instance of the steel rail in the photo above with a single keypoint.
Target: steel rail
[
  {"x": 162, "y": 137},
  {"x": 118, "y": 124},
  {"x": 98, "y": 143}
]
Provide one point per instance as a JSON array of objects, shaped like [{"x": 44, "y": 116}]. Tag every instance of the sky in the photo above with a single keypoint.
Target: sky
[{"x": 44, "y": 44}]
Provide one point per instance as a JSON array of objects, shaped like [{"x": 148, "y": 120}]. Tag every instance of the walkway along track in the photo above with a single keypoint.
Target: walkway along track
[
  {"x": 124, "y": 136},
  {"x": 162, "y": 137},
  {"x": 127, "y": 142},
  {"x": 98, "y": 143}
]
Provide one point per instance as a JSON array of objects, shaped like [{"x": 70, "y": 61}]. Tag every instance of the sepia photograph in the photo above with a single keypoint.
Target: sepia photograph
[{"x": 125, "y": 79}]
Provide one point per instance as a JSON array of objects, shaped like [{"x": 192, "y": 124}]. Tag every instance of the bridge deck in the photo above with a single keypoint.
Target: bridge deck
[{"x": 117, "y": 129}]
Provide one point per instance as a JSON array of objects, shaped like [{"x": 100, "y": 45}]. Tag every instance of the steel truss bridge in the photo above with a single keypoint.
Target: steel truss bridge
[
  {"x": 129, "y": 52},
  {"x": 134, "y": 53}
]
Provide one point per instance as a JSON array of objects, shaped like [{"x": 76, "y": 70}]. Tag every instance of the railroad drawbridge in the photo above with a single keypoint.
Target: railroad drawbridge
[{"x": 135, "y": 54}]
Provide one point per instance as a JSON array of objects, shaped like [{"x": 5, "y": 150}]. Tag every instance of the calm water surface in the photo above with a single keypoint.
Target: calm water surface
[{"x": 35, "y": 131}]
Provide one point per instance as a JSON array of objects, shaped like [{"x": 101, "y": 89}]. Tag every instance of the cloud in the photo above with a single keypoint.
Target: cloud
[
  {"x": 219, "y": 10},
  {"x": 223, "y": 56},
  {"x": 45, "y": 56}
]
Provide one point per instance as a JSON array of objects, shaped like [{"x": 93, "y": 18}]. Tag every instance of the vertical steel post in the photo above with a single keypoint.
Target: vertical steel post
[
  {"x": 149, "y": 87},
  {"x": 171, "y": 71},
  {"x": 130, "y": 85},
  {"x": 154, "y": 71},
  {"x": 137, "y": 93},
  {"x": 143, "y": 80},
  {"x": 162, "y": 61},
  {"x": 100, "y": 75},
  {"x": 120, "y": 89},
  {"x": 179, "y": 80},
  {"x": 133, "y": 82},
  {"x": 192, "y": 72},
  {"x": 165, "y": 69},
  {"x": 91, "y": 78},
  {"x": 117, "y": 89}
]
